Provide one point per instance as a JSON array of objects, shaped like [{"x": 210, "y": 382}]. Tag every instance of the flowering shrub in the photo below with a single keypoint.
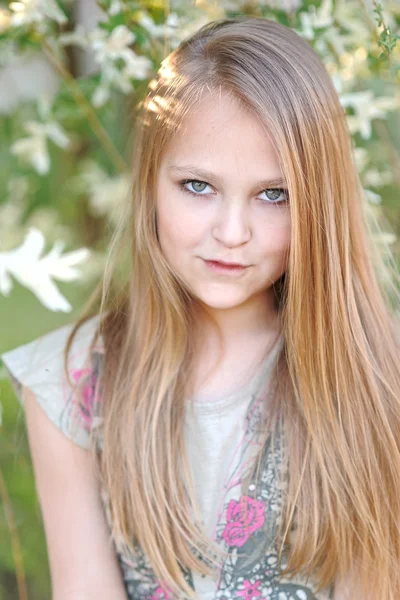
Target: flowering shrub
[{"x": 126, "y": 44}]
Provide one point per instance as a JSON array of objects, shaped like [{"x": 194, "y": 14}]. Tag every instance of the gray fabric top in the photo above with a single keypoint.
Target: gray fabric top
[{"x": 222, "y": 437}]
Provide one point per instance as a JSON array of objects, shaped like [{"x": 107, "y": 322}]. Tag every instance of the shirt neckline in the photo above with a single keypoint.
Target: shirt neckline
[{"x": 245, "y": 391}]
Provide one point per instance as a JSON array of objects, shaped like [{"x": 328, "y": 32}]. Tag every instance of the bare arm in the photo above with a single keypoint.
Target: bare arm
[{"x": 82, "y": 559}]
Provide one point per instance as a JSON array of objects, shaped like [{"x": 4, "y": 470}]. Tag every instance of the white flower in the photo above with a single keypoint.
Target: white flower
[
  {"x": 372, "y": 197},
  {"x": 361, "y": 158},
  {"x": 34, "y": 148},
  {"x": 106, "y": 194},
  {"x": 315, "y": 19},
  {"x": 159, "y": 31},
  {"x": 34, "y": 272},
  {"x": 34, "y": 11},
  {"x": 337, "y": 82},
  {"x": 334, "y": 37},
  {"x": 172, "y": 29},
  {"x": 354, "y": 30},
  {"x": 367, "y": 107},
  {"x": 376, "y": 178},
  {"x": 112, "y": 46},
  {"x": 137, "y": 67},
  {"x": 386, "y": 237},
  {"x": 115, "y": 7},
  {"x": 78, "y": 37},
  {"x": 111, "y": 76},
  {"x": 100, "y": 96},
  {"x": 108, "y": 49}
]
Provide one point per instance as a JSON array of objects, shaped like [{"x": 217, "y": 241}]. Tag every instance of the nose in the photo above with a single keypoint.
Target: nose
[{"x": 231, "y": 226}]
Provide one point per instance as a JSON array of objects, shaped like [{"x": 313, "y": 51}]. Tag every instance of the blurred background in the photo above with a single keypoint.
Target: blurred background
[{"x": 71, "y": 74}]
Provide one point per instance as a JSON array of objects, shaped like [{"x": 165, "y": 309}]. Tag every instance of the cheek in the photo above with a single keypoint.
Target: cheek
[
  {"x": 177, "y": 225},
  {"x": 275, "y": 241}
]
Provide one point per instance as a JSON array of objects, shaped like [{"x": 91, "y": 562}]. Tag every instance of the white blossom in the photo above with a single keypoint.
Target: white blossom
[
  {"x": 166, "y": 29},
  {"x": 361, "y": 158},
  {"x": 137, "y": 67},
  {"x": 115, "y": 7},
  {"x": 112, "y": 76},
  {"x": 386, "y": 238},
  {"x": 110, "y": 48},
  {"x": 106, "y": 194},
  {"x": 371, "y": 176},
  {"x": 177, "y": 27},
  {"x": 354, "y": 31},
  {"x": 367, "y": 107},
  {"x": 101, "y": 95},
  {"x": 334, "y": 37},
  {"x": 34, "y": 149},
  {"x": 376, "y": 178},
  {"x": 372, "y": 197},
  {"x": 77, "y": 37},
  {"x": 35, "y": 272},
  {"x": 315, "y": 19},
  {"x": 35, "y": 11}
]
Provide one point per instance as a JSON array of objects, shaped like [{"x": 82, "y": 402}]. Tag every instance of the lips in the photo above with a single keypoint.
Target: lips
[
  {"x": 225, "y": 264},
  {"x": 222, "y": 268}
]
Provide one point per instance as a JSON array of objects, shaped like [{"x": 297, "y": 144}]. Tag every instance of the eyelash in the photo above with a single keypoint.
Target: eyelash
[{"x": 196, "y": 195}]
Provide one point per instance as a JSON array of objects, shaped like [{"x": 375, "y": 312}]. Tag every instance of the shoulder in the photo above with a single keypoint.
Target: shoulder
[{"x": 39, "y": 367}]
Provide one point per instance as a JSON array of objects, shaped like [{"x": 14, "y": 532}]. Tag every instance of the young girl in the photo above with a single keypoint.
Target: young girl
[{"x": 240, "y": 392}]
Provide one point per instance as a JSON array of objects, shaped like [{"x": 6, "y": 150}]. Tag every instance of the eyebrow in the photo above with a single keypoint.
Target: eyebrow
[{"x": 195, "y": 172}]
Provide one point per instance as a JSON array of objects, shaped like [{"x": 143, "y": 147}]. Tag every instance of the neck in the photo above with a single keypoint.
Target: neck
[{"x": 250, "y": 322}]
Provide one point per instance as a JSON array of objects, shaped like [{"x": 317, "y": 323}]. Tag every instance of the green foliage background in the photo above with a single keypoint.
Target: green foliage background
[{"x": 60, "y": 198}]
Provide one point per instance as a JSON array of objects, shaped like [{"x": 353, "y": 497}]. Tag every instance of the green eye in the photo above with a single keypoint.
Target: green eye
[
  {"x": 195, "y": 187},
  {"x": 198, "y": 186},
  {"x": 273, "y": 195}
]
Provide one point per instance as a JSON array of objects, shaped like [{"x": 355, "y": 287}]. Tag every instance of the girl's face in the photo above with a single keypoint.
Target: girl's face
[{"x": 220, "y": 197}]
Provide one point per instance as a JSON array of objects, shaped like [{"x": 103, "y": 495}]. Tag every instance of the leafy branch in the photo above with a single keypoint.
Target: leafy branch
[
  {"x": 387, "y": 39},
  {"x": 85, "y": 107}
]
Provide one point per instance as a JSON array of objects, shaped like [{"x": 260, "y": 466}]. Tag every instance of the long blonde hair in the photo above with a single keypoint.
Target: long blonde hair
[{"x": 339, "y": 380}]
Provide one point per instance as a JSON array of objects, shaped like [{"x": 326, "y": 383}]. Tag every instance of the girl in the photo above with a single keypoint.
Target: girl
[{"x": 240, "y": 392}]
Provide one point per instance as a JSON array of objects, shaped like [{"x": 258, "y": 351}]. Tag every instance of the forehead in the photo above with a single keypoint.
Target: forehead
[{"x": 219, "y": 131}]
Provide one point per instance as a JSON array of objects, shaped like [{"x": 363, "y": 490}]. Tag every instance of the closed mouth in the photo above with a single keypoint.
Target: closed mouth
[{"x": 226, "y": 264}]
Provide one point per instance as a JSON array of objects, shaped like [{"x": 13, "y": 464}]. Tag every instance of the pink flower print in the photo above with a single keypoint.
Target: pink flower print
[
  {"x": 250, "y": 590},
  {"x": 235, "y": 534},
  {"x": 88, "y": 381},
  {"x": 161, "y": 594},
  {"x": 243, "y": 518},
  {"x": 248, "y": 511}
]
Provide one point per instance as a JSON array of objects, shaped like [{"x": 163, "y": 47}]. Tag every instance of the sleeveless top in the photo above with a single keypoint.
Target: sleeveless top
[{"x": 222, "y": 436}]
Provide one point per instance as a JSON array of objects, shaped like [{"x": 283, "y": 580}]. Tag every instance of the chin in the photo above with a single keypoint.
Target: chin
[{"x": 221, "y": 301}]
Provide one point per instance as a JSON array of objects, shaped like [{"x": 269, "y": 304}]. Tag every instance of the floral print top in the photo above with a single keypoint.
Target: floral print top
[{"x": 222, "y": 436}]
